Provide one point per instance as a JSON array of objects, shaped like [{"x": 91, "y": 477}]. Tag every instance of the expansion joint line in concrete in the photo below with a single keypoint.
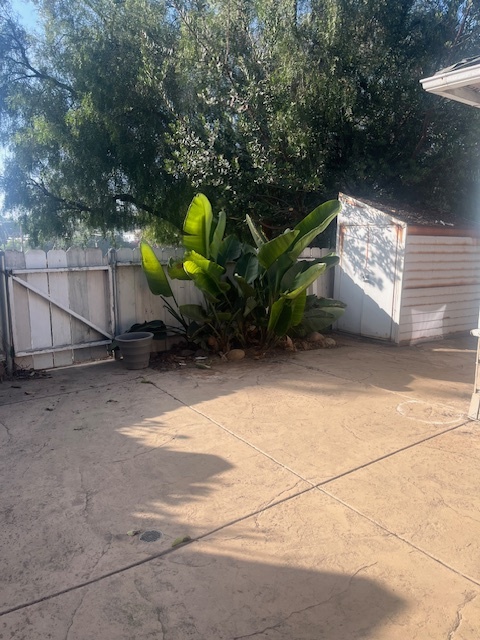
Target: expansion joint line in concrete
[
  {"x": 312, "y": 487},
  {"x": 320, "y": 485},
  {"x": 154, "y": 556},
  {"x": 399, "y": 537},
  {"x": 292, "y": 471}
]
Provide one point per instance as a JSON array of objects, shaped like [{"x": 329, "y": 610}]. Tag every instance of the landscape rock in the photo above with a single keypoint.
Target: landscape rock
[
  {"x": 315, "y": 337},
  {"x": 235, "y": 354},
  {"x": 213, "y": 343}
]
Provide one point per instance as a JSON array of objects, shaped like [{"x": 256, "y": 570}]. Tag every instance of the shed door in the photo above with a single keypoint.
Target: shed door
[{"x": 365, "y": 279}]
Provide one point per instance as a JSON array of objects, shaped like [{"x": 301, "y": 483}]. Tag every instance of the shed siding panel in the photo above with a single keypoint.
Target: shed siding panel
[
  {"x": 435, "y": 316},
  {"x": 441, "y": 287},
  {"x": 439, "y": 240},
  {"x": 424, "y": 258},
  {"x": 432, "y": 295},
  {"x": 438, "y": 329},
  {"x": 438, "y": 278}
]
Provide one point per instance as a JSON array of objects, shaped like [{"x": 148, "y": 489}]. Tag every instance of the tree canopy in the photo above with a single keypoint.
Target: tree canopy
[{"x": 113, "y": 112}]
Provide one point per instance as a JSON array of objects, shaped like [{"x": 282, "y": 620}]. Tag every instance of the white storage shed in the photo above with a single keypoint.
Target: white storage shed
[{"x": 405, "y": 277}]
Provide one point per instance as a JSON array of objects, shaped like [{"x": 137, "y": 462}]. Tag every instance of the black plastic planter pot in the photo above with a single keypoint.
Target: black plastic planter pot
[{"x": 135, "y": 348}]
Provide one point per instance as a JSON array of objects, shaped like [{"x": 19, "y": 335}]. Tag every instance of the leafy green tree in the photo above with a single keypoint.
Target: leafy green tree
[
  {"x": 116, "y": 111},
  {"x": 294, "y": 99},
  {"x": 85, "y": 114}
]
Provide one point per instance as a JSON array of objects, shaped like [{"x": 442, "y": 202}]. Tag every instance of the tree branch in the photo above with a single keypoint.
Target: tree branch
[
  {"x": 127, "y": 197},
  {"x": 426, "y": 122},
  {"x": 461, "y": 27},
  {"x": 71, "y": 205},
  {"x": 24, "y": 61},
  {"x": 77, "y": 205}
]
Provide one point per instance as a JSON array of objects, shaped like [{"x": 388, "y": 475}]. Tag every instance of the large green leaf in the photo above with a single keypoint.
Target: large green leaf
[
  {"x": 272, "y": 250},
  {"x": 223, "y": 316},
  {"x": 333, "y": 312},
  {"x": 331, "y": 260},
  {"x": 286, "y": 283},
  {"x": 279, "y": 317},
  {"x": 197, "y": 225},
  {"x": 229, "y": 250},
  {"x": 248, "y": 248},
  {"x": 247, "y": 267},
  {"x": 246, "y": 289},
  {"x": 210, "y": 267},
  {"x": 286, "y": 313},
  {"x": 250, "y": 304},
  {"x": 153, "y": 270},
  {"x": 304, "y": 279},
  {"x": 276, "y": 273},
  {"x": 313, "y": 224},
  {"x": 218, "y": 234},
  {"x": 317, "y": 302},
  {"x": 320, "y": 313},
  {"x": 298, "y": 308},
  {"x": 258, "y": 236},
  {"x": 319, "y": 319},
  {"x": 176, "y": 271},
  {"x": 288, "y": 279},
  {"x": 195, "y": 312},
  {"x": 206, "y": 275}
]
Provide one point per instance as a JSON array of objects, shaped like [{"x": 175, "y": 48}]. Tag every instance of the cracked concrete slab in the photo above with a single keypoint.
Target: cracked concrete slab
[
  {"x": 429, "y": 495},
  {"x": 318, "y": 425},
  {"x": 308, "y": 569},
  {"x": 108, "y": 461},
  {"x": 229, "y": 457}
]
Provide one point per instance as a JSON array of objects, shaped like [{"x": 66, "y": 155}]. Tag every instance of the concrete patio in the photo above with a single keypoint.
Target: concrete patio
[{"x": 326, "y": 495}]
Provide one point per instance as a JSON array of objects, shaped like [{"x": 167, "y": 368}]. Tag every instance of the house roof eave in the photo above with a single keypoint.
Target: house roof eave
[{"x": 461, "y": 84}]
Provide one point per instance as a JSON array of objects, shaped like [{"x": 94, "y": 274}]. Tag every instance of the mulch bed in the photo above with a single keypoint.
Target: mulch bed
[{"x": 181, "y": 356}]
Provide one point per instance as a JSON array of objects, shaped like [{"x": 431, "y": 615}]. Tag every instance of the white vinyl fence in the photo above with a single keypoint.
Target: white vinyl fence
[{"x": 64, "y": 307}]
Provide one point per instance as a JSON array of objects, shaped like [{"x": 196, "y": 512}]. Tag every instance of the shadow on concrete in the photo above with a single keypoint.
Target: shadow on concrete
[
  {"x": 72, "y": 494},
  {"x": 230, "y": 598}
]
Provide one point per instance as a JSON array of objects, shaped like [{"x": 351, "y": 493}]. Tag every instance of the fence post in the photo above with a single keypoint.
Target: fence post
[
  {"x": 5, "y": 316},
  {"x": 112, "y": 277}
]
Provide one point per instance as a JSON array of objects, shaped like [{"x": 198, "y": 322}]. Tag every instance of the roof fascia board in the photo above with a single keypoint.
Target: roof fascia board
[{"x": 451, "y": 79}]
